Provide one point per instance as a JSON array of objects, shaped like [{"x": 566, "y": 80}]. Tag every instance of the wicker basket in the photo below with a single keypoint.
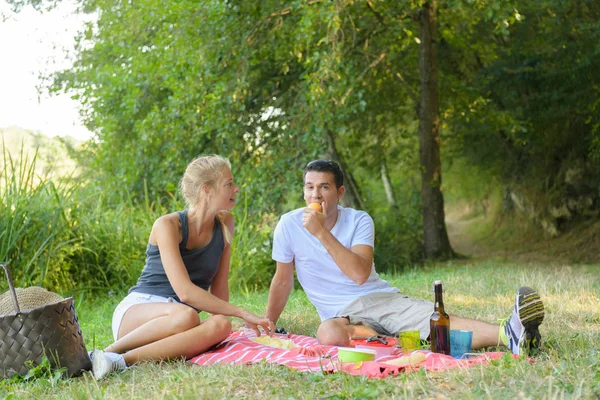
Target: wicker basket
[{"x": 51, "y": 330}]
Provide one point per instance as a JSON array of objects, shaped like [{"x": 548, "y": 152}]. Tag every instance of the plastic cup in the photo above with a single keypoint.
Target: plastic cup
[
  {"x": 410, "y": 340},
  {"x": 460, "y": 342}
]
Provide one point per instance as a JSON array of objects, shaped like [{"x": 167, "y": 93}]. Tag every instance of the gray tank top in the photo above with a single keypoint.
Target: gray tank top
[{"x": 201, "y": 264}]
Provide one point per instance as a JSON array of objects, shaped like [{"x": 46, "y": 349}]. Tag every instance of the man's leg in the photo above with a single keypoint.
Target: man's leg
[
  {"x": 520, "y": 332},
  {"x": 339, "y": 331},
  {"x": 484, "y": 334}
]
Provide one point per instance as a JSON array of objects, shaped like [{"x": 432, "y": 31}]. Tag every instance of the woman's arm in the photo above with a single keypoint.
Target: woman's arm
[
  {"x": 166, "y": 233},
  {"x": 220, "y": 283}
]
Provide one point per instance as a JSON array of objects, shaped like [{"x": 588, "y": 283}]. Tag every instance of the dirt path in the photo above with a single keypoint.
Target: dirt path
[
  {"x": 458, "y": 225},
  {"x": 579, "y": 244},
  {"x": 459, "y": 238}
]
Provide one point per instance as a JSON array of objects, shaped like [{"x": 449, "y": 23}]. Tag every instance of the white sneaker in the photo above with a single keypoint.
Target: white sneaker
[
  {"x": 104, "y": 363},
  {"x": 521, "y": 329}
]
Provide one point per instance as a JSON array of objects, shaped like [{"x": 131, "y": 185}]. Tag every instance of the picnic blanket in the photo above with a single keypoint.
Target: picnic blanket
[{"x": 310, "y": 356}]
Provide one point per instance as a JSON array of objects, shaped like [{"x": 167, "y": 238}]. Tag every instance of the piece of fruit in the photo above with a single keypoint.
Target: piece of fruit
[{"x": 316, "y": 206}]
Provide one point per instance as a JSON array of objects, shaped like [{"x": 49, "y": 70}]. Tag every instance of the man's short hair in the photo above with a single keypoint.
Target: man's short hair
[{"x": 326, "y": 166}]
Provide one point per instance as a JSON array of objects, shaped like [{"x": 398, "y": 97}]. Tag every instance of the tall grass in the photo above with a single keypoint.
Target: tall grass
[
  {"x": 72, "y": 234},
  {"x": 67, "y": 235},
  {"x": 33, "y": 224}
]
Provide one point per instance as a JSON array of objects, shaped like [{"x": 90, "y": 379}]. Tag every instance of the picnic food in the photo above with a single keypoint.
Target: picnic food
[
  {"x": 316, "y": 206},
  {"x": 414, "y": 358},
  {"x": 274, "y": 342}
]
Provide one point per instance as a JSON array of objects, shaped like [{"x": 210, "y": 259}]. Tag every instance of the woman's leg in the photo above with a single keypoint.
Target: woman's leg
[
  {"x": 149, "y": 322},
  {"x": 186, "y": 344},
  {"x": 159, "y": 331}
]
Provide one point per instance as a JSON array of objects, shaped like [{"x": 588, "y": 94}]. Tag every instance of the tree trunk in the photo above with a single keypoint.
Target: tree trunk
[
  {"x": 387, "y": 185},
  {"x": 435, "y": 236},
  {"x": 352, "y": 196}
]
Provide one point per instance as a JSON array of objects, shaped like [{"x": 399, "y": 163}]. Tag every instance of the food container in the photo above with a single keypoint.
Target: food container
[
  {"x": 381, "y": 349},
  {"x": 352, "y": 354}
]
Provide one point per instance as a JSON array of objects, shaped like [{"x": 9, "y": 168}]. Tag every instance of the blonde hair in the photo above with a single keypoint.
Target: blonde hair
[{"x": 204, "y": 170}]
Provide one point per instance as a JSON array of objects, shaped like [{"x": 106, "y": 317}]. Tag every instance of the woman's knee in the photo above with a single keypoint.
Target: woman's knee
[
  {"x": 184, "y": 318},
  {"x": 219, "y": 326}
]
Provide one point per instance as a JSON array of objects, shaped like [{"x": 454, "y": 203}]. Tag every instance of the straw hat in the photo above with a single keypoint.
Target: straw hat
[{"x": 28, "y": 299}]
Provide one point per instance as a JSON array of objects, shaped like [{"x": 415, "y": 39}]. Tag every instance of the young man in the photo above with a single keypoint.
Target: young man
[{"x": 332, "y": 252}]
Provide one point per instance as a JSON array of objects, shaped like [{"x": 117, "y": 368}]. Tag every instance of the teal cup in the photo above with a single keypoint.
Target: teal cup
[{"x": 460, "y": 342}]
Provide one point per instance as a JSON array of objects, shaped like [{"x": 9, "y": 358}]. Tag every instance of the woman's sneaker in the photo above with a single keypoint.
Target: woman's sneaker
[
  {"x": 521, "y": 330},
  {"x": 104, "y": 363}
]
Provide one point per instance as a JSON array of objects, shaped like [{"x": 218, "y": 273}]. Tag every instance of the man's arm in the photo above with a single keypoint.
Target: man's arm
[
  {"x": 279, "y": 292},
  {"x": 356, "y": 263}
]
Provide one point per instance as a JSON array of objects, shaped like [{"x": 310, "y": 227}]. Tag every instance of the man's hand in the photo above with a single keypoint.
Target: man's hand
[{"x": 313, "y": 220}]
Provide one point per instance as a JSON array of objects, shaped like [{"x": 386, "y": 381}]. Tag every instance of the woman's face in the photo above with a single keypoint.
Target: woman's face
[{"x": 226, "y": 191}]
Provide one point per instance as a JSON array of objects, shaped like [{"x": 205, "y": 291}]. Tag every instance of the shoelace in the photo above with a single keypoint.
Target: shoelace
[{"x": 503, "y": 322}]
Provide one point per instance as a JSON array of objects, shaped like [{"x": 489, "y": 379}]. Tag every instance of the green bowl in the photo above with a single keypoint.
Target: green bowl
[{"x": 352, "y": 355}]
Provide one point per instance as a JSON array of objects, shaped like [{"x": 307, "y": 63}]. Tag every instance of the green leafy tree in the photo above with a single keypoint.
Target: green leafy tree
[
  {"x": 260, "y": 81},
  {"x": 272, "y": 84},
  {"x": 532, "y": 118}
]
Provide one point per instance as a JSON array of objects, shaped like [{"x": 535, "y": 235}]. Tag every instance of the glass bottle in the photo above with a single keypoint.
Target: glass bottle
[{"x": 439, "y": 323}]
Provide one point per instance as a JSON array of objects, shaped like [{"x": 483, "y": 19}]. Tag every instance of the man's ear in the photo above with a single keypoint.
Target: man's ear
[{"x": 341, "y": 191}]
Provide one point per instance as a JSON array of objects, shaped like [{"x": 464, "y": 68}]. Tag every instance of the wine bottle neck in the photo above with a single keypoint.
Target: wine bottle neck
[{"x": 439, "y": 302}]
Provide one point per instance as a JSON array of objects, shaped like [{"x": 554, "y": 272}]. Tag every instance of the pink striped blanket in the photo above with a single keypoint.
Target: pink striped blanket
[{"x": 239, "y": 349}]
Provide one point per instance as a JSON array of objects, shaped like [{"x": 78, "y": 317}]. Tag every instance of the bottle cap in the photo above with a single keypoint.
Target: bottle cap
[{"x": 438, "y": 282}]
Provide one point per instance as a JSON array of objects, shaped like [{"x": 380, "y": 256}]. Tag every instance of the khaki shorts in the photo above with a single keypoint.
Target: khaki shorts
[{"x": 390, "y": 313}]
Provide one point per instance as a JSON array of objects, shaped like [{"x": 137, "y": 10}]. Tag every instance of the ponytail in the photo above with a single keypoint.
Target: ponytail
[{"x": 224, "y": 228}]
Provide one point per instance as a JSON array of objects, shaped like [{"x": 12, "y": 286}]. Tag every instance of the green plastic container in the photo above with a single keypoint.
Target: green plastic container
[{"x": 352, "y": 355}]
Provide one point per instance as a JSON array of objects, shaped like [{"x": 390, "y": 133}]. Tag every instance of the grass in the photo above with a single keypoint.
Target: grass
[
  {"x": 58, "y": 233},
  {"x": 568, "y": 366}
]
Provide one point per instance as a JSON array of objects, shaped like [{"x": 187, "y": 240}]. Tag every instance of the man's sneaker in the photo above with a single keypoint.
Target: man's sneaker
[
  {"x": 521, "y": 330},
  {"x": 105, "y": 362}
]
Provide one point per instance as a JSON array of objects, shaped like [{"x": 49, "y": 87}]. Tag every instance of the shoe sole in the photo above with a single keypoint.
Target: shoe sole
[
  {"x": 100, "y": 366},
  {"x": 531, "y": 314}
]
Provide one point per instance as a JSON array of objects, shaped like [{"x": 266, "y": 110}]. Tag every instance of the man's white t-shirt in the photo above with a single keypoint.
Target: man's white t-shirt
[{"x": 326, "y": 286}]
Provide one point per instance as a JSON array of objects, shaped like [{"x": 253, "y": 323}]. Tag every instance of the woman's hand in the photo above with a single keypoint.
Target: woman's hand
[{"x": 254, "y": 322}]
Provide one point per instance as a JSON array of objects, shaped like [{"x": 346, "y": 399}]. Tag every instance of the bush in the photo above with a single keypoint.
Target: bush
[{"x": 63, "y": 234}]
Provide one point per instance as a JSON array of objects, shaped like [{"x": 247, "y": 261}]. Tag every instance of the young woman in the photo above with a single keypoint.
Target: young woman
[{"x": 186, "y": 271}]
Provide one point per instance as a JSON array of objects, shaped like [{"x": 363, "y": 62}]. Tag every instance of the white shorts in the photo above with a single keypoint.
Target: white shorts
[{"x": 132, "y": 299}]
